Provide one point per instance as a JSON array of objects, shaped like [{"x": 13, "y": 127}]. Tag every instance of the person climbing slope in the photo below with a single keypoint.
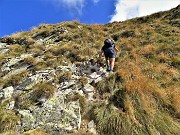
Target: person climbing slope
[{"x": 108, "y": 50}]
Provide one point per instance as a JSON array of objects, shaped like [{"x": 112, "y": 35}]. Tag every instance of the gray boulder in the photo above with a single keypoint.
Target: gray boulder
[
  {"x": 6, "y": 93},
  {"x": 54, "y": 116}
]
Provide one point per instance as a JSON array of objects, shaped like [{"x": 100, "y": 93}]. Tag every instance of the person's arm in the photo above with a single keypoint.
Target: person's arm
[{"x": 116, "y": 49}]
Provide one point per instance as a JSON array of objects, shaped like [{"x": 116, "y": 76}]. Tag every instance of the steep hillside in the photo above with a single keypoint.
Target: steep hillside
[{"x": 51, "y": 82}]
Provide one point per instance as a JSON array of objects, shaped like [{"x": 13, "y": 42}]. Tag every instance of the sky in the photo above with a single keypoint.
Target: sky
[{"x": 23, "y": 15}]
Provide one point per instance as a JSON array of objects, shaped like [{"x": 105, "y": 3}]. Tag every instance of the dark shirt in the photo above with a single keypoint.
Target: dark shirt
[{"x": 109, "y": 51}]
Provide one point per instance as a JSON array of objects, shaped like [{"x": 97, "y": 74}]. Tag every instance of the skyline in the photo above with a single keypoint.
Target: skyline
[{"x": 23, "y": 15}]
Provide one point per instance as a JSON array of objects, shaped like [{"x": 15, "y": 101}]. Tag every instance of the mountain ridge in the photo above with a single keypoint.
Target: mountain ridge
[{"x": 50, "y": 78}]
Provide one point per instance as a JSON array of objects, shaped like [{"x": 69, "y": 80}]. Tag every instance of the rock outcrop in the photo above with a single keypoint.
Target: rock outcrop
[{"x": 56, "y": 114}]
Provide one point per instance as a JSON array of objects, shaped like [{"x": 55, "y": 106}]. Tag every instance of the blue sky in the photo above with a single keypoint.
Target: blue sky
[{"x": 22, "y": 15}]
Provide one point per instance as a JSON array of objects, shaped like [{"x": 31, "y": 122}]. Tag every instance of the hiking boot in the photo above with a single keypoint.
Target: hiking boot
[{"x": 110, "y": 71}]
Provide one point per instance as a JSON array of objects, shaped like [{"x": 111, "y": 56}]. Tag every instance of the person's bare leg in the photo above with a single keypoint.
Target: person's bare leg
[
  {"x": 112, "y": 60},
  {"x": 107, "y": 63}
]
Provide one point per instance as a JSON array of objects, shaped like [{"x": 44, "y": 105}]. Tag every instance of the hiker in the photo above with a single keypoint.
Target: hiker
[{"x": 108, "y": 51}]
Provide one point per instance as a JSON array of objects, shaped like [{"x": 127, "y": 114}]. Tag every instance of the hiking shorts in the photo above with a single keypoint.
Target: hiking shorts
[{"x": 109, "y": 54}]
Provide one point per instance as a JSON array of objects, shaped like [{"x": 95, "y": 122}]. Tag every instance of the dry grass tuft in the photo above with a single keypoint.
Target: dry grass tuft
[
  {"x": 14, "y": 80},
  {"x": 174, "y": 94},
  {"x": 163, "y": 57},
  {"x": 37, "y": 49},
  {"x": 19, "y": 35},
  {"x": 16, "y": 50},
  {"x": 2, "y": 59},
  {"x": 43, "y": 90},
  {"x": 30, "y": 60},
  {"x": 64, "y": 76},
  {"x": 83, "y": 80},
  {"x": 82, "y": 101},
  {"x": 148, "y": 50},
  {"x": 8, "y": 120},
  {"x": 167, "y": 70}
]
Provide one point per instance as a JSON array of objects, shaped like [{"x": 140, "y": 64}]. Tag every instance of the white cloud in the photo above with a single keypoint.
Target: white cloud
[
  {"x": 74, "y": 6},
  {"x": 127, "y": 9}
]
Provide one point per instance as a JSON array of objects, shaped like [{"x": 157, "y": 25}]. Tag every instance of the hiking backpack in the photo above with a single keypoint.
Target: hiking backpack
[{"x": 108, "y": 43}]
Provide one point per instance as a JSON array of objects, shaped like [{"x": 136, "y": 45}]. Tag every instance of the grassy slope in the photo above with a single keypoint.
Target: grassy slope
[
  {"x": 142, "y": 97},
  {"x": 144, "y": 94}
]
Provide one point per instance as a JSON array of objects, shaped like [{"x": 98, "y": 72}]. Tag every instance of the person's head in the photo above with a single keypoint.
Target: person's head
[
  {"x": 109, "y": 42},
  {"x": 112, "y": 40}
]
